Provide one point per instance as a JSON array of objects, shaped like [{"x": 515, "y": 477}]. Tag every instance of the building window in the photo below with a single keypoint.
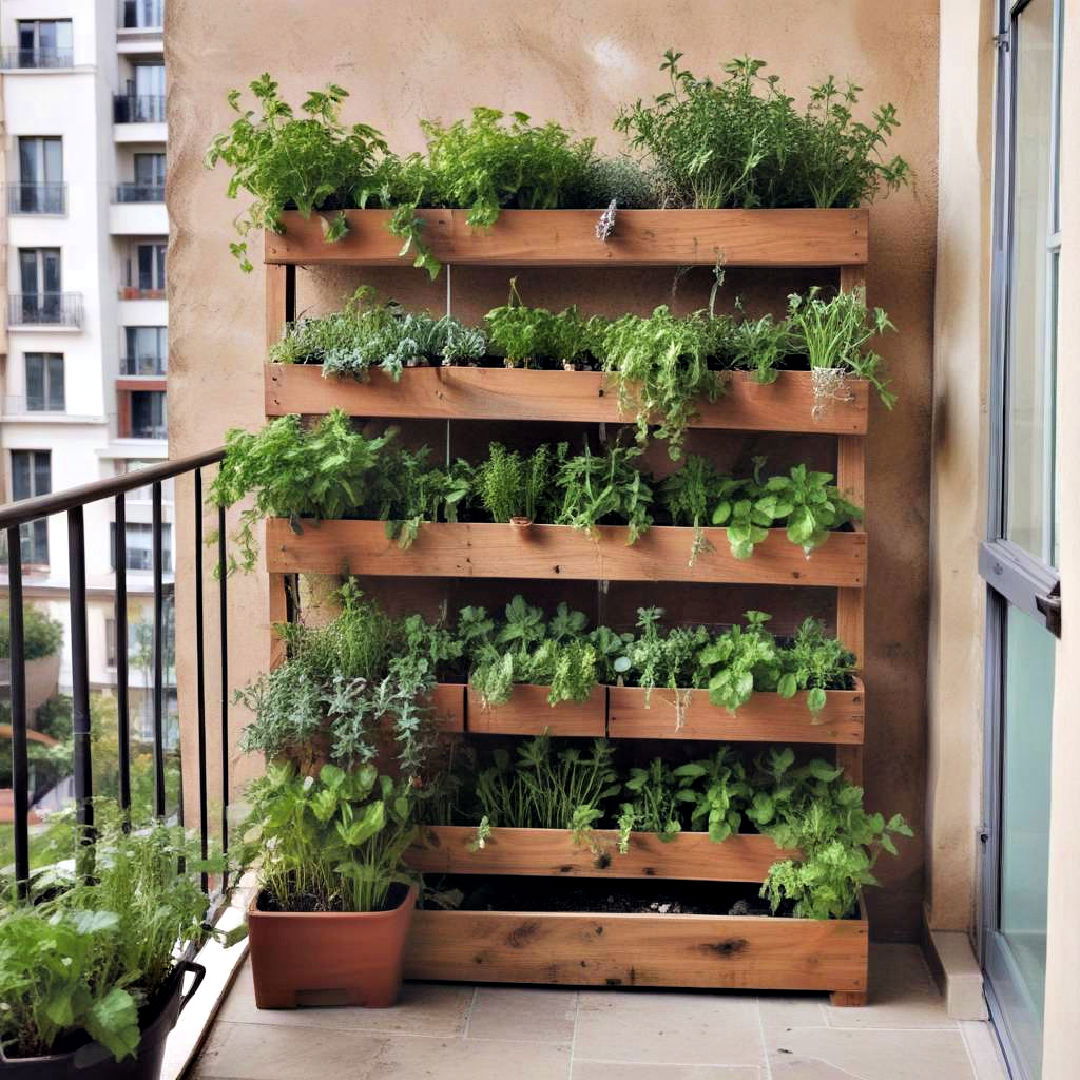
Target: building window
[
  {"x": 149, "y": 414},
  {"x": 31, "y": 476},
  {"x": 44, "y": 382},
  {"x": 149, "y": 182},
  {"x": 43, "y": 43},
  {"x": 39, "y": 277},
  {"x": 150, "y": 267},
  {"x": 40, "y": 188},
  {"x": 147, "y": 350},
  {"x": 141, "y": 14},
  {"x": 143, "y": 101},
  {"x": 139, "y": 546}
]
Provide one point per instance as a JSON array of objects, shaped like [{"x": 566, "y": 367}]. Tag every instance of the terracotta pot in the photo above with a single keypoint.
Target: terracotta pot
[
  {"x": 357, "y": 953},
  {"x": 92, "y": 1061}
]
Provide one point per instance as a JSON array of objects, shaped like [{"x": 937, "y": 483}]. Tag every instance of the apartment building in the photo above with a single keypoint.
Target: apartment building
[{"x": 85, "y": 238}]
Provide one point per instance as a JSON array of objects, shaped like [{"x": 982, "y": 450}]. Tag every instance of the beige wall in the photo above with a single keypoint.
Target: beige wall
[
  {"x": 958, "y": 486},
  {"x": 573, "y": 63}
]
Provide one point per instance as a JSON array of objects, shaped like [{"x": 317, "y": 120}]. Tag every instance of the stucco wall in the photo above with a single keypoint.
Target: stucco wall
[{"x": 573, "y": 63}]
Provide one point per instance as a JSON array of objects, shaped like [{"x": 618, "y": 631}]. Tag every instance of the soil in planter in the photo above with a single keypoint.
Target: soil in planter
[
  {"x": 508, "y": 893},
  {"x": 307, "y": 903}
]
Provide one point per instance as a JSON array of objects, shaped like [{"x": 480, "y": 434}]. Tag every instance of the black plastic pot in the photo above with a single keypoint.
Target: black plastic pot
[{"x": 93, "y": 1062}]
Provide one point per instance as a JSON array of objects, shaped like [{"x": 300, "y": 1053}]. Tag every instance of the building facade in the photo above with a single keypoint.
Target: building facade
[{"x": 86, "y": 319}]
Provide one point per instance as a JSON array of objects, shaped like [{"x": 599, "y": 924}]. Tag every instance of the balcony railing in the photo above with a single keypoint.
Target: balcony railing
[
  {"x": 141, "y": 14},
  {"x": 37, "y": 197},
  {"x": 150, "y": 364},
  {"x": 139, "y": 108},
  {"x": 131, "y": 191},
  {"x": 165, "y": 801},
  {"x": 149, "y": 431},
  {"x": 139, "y": 292},
  {"x": 16, "y": 59},
  {"x": 45, "y": 309}
]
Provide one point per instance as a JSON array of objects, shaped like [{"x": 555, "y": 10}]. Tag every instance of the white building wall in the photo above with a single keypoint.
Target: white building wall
[{"x": 95, "y": 237}]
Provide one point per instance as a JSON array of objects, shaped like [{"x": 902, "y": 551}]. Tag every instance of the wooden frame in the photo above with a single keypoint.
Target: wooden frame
[
  {"x": 448, "y": 701},
  {"x": 475, "y": 393},
  {"x": 568, "y": 238},
  {"x": 528, "y": 712},
  {"x": 690, "y": 856},
  {"x": 484, "y": 550},
  {"x": 688, "y": 714},
  {"x": 596, "y": 949}
]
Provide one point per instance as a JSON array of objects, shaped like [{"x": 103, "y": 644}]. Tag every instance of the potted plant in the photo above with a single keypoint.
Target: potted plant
[
  {"x": 88, "y": 980},
  {"x": 334, "y": 903}
]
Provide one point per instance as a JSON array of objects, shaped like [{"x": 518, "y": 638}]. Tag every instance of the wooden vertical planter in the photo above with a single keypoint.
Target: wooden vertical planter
[{"x": 528, "y": 712}]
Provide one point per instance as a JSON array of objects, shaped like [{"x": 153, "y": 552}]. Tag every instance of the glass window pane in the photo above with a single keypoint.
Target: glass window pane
[
  {"x": 1030, "y": 394},
  {"x": 35, "y": 381}
]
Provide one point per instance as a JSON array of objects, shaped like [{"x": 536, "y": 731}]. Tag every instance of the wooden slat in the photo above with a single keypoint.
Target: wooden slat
[
  {"x": 445, "y": 849},
  {"x": 556, "y": 551},
  {"x": 448, "y": 701},
  {"x": 688, "y": 714},
  {"x": 276, "y": 288},
  {"x": 278, "y": 613},
  {"x": 469, "y": 393},
  {"x": 528, "y": 712},
  {"x": 568, "y": 238},
  {"x": 719, "y": 951}
]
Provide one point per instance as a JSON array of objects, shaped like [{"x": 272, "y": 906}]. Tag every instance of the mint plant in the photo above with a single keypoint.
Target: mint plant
[{"x": 595, "y": 488}]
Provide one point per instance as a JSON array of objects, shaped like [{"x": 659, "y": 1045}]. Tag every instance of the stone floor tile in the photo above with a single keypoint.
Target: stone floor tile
[
  {"x": 668, "y": 1028},
  {"x": 609, "y": 1070},
  {"x": 869, "y": 1054},
  {"x": 432, "y": 1009},
  {"x": 983, "y": 1047},
  {"x": 522, "y": 1014},
  {"x": 781, "y": 1012},
  {"x": 261, "y": 1052},
  {"x": 902, "y": 994}
]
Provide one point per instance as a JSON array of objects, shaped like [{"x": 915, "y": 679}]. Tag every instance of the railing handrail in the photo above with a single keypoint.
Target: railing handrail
[{"x": 25, "y": 510}]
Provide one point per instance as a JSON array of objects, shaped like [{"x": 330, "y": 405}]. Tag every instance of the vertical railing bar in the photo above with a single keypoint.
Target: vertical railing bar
[
  {"x": 80, "y": 677},
  {"x": 158, "y": 648},
  {"x": 20, "y": 779},
  {"x": 200, "y": 678},
  {"x": 223, "y": 646},
  {"x": 123, "y": 703}
]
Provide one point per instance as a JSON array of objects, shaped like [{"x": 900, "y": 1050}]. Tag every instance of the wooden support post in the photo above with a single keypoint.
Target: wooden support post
[{"x": 279, "y": 613}]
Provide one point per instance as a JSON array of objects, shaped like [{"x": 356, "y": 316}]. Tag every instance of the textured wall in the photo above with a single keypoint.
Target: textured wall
[{"x": 573, "y": 63}]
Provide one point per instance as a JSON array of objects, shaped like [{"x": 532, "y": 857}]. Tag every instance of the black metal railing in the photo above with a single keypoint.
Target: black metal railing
[
  {"x": 37, "y": 197},
  {"x": 141, "y": 14},
  {"x": 45, "y": 309},
  {"x": 139, "y": 108},
  {"x": 131, "y": 191},
  {"x": 15, "y": 59},
  {"x": 72, "y": 503}
]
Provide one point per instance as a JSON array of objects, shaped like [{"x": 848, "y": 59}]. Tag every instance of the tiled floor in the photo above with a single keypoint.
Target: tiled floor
[{"x": 484, "y": 1033}]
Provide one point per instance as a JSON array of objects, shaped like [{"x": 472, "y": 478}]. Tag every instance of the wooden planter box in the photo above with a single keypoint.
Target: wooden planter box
[
  {"x": 691, "y": 856},
  {"x": 473, "y": 393},
  {"x": 596, "y": 949},
  {"x": 556, "y": 551},
  {"x": 568, "y": 238},
  {"x": 448, "y": 701},
  {"x": 528, "y": 712},
  {"x": 764, "y": 718}
]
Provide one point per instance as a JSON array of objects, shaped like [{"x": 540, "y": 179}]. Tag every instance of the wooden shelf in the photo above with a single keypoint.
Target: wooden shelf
[
  {"x": 568, "y": 238},
  {"x": 528, "y": 712},
  {"x": 556, "y": 551},
  {"x": 690, "y": 856},
  {"x": 472, "y": 393},
  {"x": 599, "y": 949},
  {"x": 688, "y": 714}
]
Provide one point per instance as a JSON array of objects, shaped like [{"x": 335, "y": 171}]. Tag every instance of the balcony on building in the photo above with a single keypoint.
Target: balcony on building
[
  {"x": 37, "y": 197},
  {"x": 38, "y": 58},
  {"x": 141, "y": 14},
  {"x": 51, "y": 310},
  {"x": 138, "y": 209},
  {"x": 139, "y": 118}
]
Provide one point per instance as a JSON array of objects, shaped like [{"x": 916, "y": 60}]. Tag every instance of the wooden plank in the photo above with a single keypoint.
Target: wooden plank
[
  {"x": 567, "y": 949},
  {"x": 278, "y": 613},
  {"x": 568, "y": 238},
  {"x": 688, "y": 714},
  {"x": 463, "y": 549},
  {"x": 276, "y": 289},
  {"x": 448, "y": 701},
  {"x": 445, "y": 849},
  {"x": 528, "y": 712},
  {"x": 471, "y": 393}
]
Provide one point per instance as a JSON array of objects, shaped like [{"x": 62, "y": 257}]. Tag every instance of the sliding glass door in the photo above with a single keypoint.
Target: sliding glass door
[{"x": 1018, "y": 559}]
